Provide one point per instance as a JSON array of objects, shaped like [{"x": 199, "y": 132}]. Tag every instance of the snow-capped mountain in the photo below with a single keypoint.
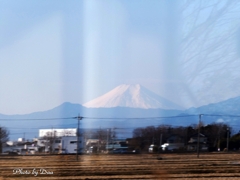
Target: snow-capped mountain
[{"x": 134, "y": 96}]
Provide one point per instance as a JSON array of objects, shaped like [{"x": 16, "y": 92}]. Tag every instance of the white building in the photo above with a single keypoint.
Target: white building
[
  {"x": 61, "y": 140},
  {"x": 67, "y": 145},
  {"x": 57, "y": 132},
  {"x": 50, "y": 140}
]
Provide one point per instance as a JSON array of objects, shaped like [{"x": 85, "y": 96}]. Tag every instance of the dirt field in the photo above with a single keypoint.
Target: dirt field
[{"x": 214, "y": 166}]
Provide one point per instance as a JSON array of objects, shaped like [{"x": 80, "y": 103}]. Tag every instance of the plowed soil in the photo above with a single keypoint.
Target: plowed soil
[{"x": 214, "y": 166}]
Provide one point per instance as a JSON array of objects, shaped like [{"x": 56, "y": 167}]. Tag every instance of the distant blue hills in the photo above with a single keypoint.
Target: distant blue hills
[
  {"x": 64, "y": 116},
  {"x": 230, "y": 106}
]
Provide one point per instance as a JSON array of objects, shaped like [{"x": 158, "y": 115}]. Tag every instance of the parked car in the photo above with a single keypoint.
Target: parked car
[
  {"x": 172, "y": 146},
  {"x": 152, "y": 148}
]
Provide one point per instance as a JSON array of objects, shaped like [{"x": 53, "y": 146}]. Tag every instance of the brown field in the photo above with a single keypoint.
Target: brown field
[{"x": 214, "y": 166}]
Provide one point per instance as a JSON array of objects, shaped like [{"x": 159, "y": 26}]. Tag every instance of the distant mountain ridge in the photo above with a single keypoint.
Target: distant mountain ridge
[
  {"x": 122, "y": 117},
  {"x": 133, "y": 96},
  {"x": 64, "y": 116},
  {"x": 228, "y": 107}
]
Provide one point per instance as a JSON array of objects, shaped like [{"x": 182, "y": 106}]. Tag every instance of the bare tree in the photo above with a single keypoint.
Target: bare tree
[
  {"x": 207, "y": 56},
  {"x": 50, "y": 138},
  {"x": 4, "y": 136},
  {"x": 151, "y": 135},
  {"x": 103, "y": 136}
]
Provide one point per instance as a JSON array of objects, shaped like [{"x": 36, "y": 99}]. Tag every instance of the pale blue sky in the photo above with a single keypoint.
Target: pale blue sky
[{"x": 53, "y": 51}]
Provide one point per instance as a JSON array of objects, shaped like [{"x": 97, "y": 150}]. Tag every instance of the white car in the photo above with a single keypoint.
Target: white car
[
  {"x": 172, "y": 146},
  {"x": 152, "y": 148}
]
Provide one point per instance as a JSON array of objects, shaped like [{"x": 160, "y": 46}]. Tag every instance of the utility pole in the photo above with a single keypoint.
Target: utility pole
[
  {"x": 54, "y": 139},
  {"x": 98, "y": 141},
  {"x": 227, "y": 138},
  {"x": 113, "y": 135},
  {"x": 78, "y": 118},
  {"x": 51, "y": 141},
  {"x": 107, "y": 142},
  {"x": 160, "y": 140},
  {"x": 198, "y": 142},
  {"x": 160, "y": 143}
]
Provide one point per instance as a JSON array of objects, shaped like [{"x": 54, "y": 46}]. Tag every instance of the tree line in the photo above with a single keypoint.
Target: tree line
[{"x": 218, "y": 134}]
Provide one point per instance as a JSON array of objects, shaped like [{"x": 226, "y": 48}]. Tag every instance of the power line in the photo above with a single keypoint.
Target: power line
[
  {"x": 120, "y": 118},
  {"x": 35, "y": 119},
  {"x": 38, "y": 119},
  {"x": 159, "y": 117}
]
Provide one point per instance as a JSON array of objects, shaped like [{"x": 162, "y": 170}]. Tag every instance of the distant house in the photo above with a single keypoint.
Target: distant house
[
  {"x": 65, "y": 144},
  {"x": 117, "y": 144},
  {"x": 50, "y": 140},
  {"x": 174, "y": 142},
  {"x": 20, "y": 147},
  {"x": 93, "y": 146},
  {"x": 96, "y": 145},
  {"x": 193, "y": 143}
]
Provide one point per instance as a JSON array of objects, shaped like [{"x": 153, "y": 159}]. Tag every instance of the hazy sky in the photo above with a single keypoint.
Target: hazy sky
[{"x": 53, "y": 51}]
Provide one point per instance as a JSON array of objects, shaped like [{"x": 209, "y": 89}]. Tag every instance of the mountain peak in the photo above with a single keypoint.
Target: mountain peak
[{"x": 131, "y": 95}]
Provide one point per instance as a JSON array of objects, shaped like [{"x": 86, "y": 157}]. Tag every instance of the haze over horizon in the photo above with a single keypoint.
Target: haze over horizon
[{"x": 53, "y": 52}]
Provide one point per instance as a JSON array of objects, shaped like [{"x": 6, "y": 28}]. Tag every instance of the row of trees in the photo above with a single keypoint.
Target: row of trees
[
  {"x": 104, "y": 137},
  {"x": 217, "y": 134},
  {"x": 142, "y": 138}
]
